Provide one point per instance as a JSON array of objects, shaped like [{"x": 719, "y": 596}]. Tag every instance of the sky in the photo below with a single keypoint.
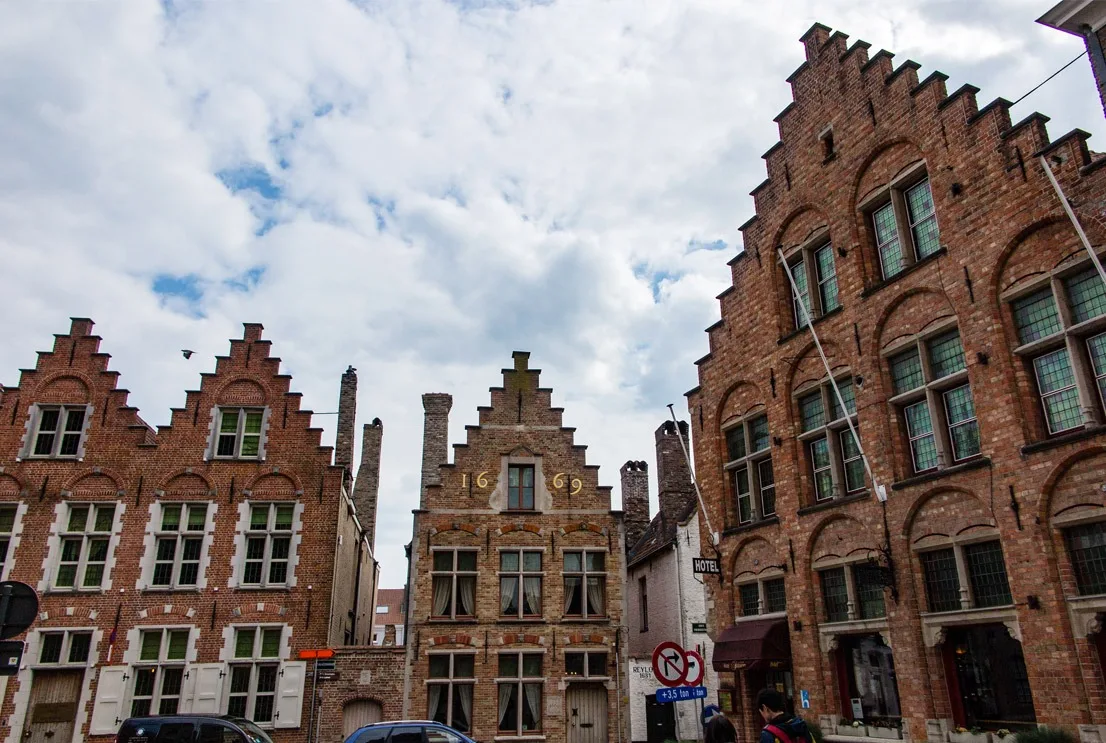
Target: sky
[{"x": 418, "y": 188}]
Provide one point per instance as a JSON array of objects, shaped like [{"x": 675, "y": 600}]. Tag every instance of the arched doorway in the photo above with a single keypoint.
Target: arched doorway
[{"x": 358, "y": 713}]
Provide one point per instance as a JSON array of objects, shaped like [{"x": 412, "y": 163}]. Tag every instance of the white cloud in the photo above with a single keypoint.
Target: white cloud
[{"x": 437, "y": 184}]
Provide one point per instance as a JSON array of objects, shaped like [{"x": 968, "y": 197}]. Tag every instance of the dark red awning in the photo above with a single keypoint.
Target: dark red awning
[{"x": 754, "y": 645}]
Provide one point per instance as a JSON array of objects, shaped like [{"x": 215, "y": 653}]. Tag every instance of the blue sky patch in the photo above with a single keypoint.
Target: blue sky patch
[
  {"x": 382, "y": 208},
  {"x": 250, "y": 178},
  {"x": 713, "y": 245},
  {"x": 247, "y": 280},
  {"x": 182, "y": 287}
]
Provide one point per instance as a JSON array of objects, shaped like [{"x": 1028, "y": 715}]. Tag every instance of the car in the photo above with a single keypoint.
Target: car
[
  {"x": 407, "y": 731},
  {"x": 190, "y": 729}
]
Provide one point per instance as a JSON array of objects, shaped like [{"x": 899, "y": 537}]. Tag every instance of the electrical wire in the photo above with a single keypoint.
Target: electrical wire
[{"x": 1041, "y": 84}]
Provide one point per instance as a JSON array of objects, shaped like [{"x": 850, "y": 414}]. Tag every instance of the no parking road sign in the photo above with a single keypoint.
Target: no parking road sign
[{"x": 673, "y": 666}]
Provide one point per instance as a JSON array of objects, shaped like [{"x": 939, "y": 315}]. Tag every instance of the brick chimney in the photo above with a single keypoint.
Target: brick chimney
[
  {"x": 435, "y": 439},
  {"x": 635, "y": 501},
  {"x": 675, "y": 490},
  {"x": 347, "y": 411},
  {"x": 367, "y": 486}
]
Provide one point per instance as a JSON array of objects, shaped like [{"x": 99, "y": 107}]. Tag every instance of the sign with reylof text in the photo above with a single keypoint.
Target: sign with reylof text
[{"x": 705, "y": 565}]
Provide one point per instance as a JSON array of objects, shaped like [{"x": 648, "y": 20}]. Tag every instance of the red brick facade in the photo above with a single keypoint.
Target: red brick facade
[
  {"x": 100, "y": 505},
  {"x": 469, "y": 521},
  {"x": 858, "y": 145}
]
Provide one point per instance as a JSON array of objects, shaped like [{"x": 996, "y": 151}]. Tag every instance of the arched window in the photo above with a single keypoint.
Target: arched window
[{"x": 833, "y": 457}]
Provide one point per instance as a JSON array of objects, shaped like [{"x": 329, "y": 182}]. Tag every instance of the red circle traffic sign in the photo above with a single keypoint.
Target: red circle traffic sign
[
  {"x": 670, "y": 664},
  {"x": 695, "y": 668}
]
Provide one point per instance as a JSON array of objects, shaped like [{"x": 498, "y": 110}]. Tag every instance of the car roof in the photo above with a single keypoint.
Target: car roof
[
  {"x": 403, "y": 722},
  {"x": 189, "y": 716}
]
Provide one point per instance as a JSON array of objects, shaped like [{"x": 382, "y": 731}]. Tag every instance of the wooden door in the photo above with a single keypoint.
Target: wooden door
[
  {"x": 660, "y": 720},
  {"x": 53, "y": 706},
  {"x": 358, "y": 713},
  {"x": 586, "y": 713}
]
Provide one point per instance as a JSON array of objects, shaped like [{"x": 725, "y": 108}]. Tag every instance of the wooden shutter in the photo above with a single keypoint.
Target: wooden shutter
[
  {"x": 108, "y": 712},
  {"x": 289, "y": 705},
  {"x": 205, "y": 681}
]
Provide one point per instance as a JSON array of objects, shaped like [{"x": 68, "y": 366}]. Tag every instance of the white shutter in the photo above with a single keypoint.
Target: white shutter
[
  {"x": 205, "y": 680},
  {"x": 107, "y": 712},
  {"x": 289, "y": 704}
]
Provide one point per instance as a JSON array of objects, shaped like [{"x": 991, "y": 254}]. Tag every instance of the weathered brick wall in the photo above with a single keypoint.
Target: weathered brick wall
[
  {"x": 635, "y": 500},
  {"x": 999, "y": 220},
  {"x": 661, "y": 576},
  {"x": 369, "y": 674},
  {"x": 366, "y": 489}
]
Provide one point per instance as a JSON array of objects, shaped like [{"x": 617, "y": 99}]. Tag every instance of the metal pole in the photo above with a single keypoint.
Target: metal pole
[
  {"x": 5, "y": 602},
  {"x": 691, "y": 472},
  {"x": 1071, "y": 215},
  {"x": 314, "y": 696},
  {"x": 881, "y": 494}
]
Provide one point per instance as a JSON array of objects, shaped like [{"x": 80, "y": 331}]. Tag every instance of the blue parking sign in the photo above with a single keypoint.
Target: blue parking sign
[{"x": 804, "y": 698}]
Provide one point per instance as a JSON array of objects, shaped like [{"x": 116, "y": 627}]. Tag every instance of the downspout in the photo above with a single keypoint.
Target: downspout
[{"x": 357, "y": 589}]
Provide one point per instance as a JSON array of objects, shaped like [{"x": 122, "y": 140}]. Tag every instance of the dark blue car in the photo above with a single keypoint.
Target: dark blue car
[{"x": 407, "y": 731}]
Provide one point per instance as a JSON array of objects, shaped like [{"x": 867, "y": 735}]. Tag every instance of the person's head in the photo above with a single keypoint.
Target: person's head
[
  {"x": 770, "y": 704},
  {"x": 720, "y": 730}
]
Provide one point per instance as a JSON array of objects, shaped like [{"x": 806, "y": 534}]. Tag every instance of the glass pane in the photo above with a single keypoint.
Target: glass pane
[
  {"x": 67, "y": 575},
  {"x": 508, "y": 665},
  {"x": 178, "y": 645},
  {"x": 508, "y": 561},
  {"x": 735, "y": 442},
  {"x": 443, "y": 560},
  {"x": 439, "y": 666},
  {"x": 775, "y": 597},
  {"x": 70, "y": 444},
  {"x": 508, "y": 595},
  {"x": 827, "y": 278},
  {"x": 144, "y": 682},
  {"x": 1096, "y": 348},
  {"x": 574, "y": 664},
  {"x": 798, "y": 273},
  {"x": 170, "y": 517},
  {"x": 848, "y": 394},
  {"x": 1058, "y": 393},
  {"x": 531, "y": 665},
  {"x": 906, "y": 372},
  {"x": 281, "y": 545},
  {"x": 229, "y": 422},
  {"x": 958, "y": 405},
  {"x": 887, "y": 239},
  {"x": 946, "y": 355},
  {"x": 284, "y": 515},
  {"x": 597, "y": 664},
  {"x": 79, "y": 645},
  {"x": 942, "y": 582},
  {"x": 750, "y": 599},
  {"x": 48, "y": 419},
  {"x": 595, "y": 561},
  {"x": 251, "y": 447},
  {"x": 508, "y": 706},
  {"x": 97, "y": 550},
  {"x": 105, "y": 517},
  {"x": 531, "y": 561},
  {"x": 767, "y": 487},
  {"x": 78, "y": 518},
  {"x": 259, "y": 518},
  {"x": 166, "y": 549},
  {"x": 1087, "y": 295},
  {"x": 987, "y": 572},
  {"x": 253, "y": 422},
  {"x": 835, "y": 594},
  {"x": 758, "y": 433},
  {"x": 51, "y": 648},
  {"x": 226, "y": 444},
  {"x": 1035, "y": 316},
  {"x": 44, "y": 444},
  {"x": 151, "y": 646},
  {"x": 93, "y": 576},
  {"x": 963, "y": 429},
  {"x": 270, "y": 642},
  {"x": 854, "y": 465},
  {"x": 1087, "y": 547},
  {"x": 7, "y": 516},
  {"x": 255, "y": 548},
  {"x": 572, "y": 562},
  {"x": 466, "y": 561},
  {"x": 464, "y": 666},
  {"x": 869, "y": 587},
  {"x": 811, "y": 411},
  {"x": 923, "y": 222},
  {"x": 243, "y": 643},
  {"x": 744, "y": 503},
  {"x": 197, "y": 517},
  {"x": 74, "y": 420},
  {"x": 819, "y": 451}
]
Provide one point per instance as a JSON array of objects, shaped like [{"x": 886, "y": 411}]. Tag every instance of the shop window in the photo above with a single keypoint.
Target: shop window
[
  {"x": 1060, "y": 336},
  {"x": 983, "y": 565},
  {"x": 833, "y": 455},
  {"x": 1087, "y": 549},
  {"x": 869, "y": 671},
  {"x": 904, "y": 223},
  {"x": 748, "y": 446},
  {"x": 992, "y": 685}
]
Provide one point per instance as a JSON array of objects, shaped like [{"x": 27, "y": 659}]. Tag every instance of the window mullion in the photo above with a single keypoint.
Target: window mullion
[
  {"x": 837, "y": 469},
  {"x": 939, "y": 422},
  {"x": 902, "y": 226},
  {"x": 82, "y": 561},
  {"x": 1086, "y": 389},
  {"x": 814, "y": 289},
  {"x": 852, "y": 606},
  {"x": 241, "y": 432},
  {"x": 966, "y": 598}
]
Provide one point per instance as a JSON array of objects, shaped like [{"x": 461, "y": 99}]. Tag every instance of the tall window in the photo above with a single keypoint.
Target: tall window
[
  {"x": 253, "y": 673},
  {"x": 836, "y": 467},
  {"x": 454, "y": 579},
  {"x": 750, "y": 466},
  {"x": 585, "y": 584},
  {"x": 929, "y": 383},
  {"x": 586, "y": 664},
  {"x": 159, "y": 672},
  {"x": 239, "y": 433},
  {"x": 1060, "y": 335},
  {"x": 268, "y": 545},
  {"x": 520, "y": 584},
  {"x": 58, "y": 430},
  {"x": 84, "y": 546},
  {"x": 905, "y": 227},
  {"x": 1087, "y": 548},
  {"x": 815, "y": 275},
  {"x": 643, "y": 600},
  {"x": 853, "y": 592},
  {"x": 7, "y": 525},
  {"x": 64, "y": 648},
  {"x": 762, "y": 597},
  {"x": 449, "y": 691},
  {"x": 179, "y": 542},
  {"x": 520, "y": 487},
  {"x": 520, "y": 691},
  {"x": 981, "y": 562}
]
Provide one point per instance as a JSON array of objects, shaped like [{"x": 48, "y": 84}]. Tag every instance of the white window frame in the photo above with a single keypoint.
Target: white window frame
[
  {"x": 240, "y": 434},
  {"x": 520, "y": 682},
  {"x": 159, "y": 665},
  {"x": 521, "y": 575},
  {"x": 270, "y": 533},
  {"x": 66, "y": 648},
  {"x": 59, "y": 433},
  {"x": 751, "y": 464},
  {"x": 448, "y": 682},
  {"x": 9, "y": 537},
  {"x": 255, "y": 663},
  {"x": 584, "y": 574},
  {"x": 87, "y": 536},
  {"x": 454, "y": 575},
  {"x": 180, "y": 536},
  {"x": 587, "y": 675}
]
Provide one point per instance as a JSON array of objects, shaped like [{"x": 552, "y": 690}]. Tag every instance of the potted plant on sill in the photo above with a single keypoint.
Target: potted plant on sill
[
  {"x": 881, "y": 727},
  {"x": 964, "y": 735}
]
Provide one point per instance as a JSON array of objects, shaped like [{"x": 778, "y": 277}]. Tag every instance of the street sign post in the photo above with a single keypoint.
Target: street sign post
[
  {"x": 670, "y": 664},
  {"x": 323, "y": 670},
  {"x": 681, "y": 693},
  {"x": 694, "y": 668}
]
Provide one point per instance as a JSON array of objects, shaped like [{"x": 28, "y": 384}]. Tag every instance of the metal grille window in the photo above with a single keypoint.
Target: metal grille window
[
  {"x": 812, "y": 265},
  {"x": 941, "y": 579},
  {"x": 750, "y": 466},
  {"x": 64, "y": 648},
  {"x": 454, "y": 580},
  {"x": 239, "y": 431},
  {"x": 905, "y": 227},
  {"x": 835, "y": 594},
  {"x": 987, "y": 572},
  {"x": 520, "y": 487},
  {"x": 1087, "y": 549},
  {"x": 178, "y": 545},
  {"x": 253, "y": 673},
  {"x": 268, "y": 545},
  {"x": 585, "y": 575},
  {"x": 7, "y": 525},
  {"x": 58, "y": 430},
  {"x": 1053, "y": 323},
  {"x": 159, "y": 672},
  {"x": 449, "y": 691},
  {"x": 520, "y": 682},
  {"x": 750, "y": 599},
  {"x": 85, "y": 538},
  {"x": 586, "y": 664},
  {"x": 836, "y": 467},
  {"x": 930, "y": 385},
  {"x": 520, "y": 584},
  {"x": 775, "y": 597}
]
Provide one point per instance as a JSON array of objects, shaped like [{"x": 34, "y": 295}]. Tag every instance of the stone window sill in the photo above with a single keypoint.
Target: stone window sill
[
  {"x": 904, "y": 273},
  {"x": 800, "y": 331},
  {"x": 527, "y": 620},
  {"x": 447, "y": 620},
  {"x": 974, "y": 464},
  {"x": 834, "y": 503},
  {"x": 588, "y": 620},
  {"x": 935, "y": 624},
  {"x": 772, "y": 520},
  {"x": 1062, "y": 439}
]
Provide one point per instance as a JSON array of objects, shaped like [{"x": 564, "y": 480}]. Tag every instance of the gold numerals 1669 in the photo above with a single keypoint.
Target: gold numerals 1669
[{"x": 560, "y": 481}]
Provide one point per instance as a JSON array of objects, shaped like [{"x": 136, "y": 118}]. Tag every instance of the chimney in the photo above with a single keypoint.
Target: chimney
[
  {"x": 435, "y": 439},
  {"x": 347, "y": 411},
  {"x": 635, "y": 501},
  {"x": 675, "y": 489},
  {"x": 366, "y": 487}
]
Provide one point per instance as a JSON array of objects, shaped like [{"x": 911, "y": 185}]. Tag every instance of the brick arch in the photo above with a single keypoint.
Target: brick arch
[
  {"x": 520, "y": 638},
  {"x": 795, "y": 229},
  {"x": 160, "y": 614},
  {"x": 580, "y": 638},
  {"x": 66, "y": 617},
  {"x": 445, "y": 526},
  {"x": 909, "y": 314},
  {"x": 752, "y": 557},
  {"x": 1038, "y": 248},
  {"x": 806, "y": 367},
  {"x": 10, "y": 486},
  {"x": 512, "y": 528},
  {"x": 737, "y": 401},
  {"x": 185, "y": 481},
  {"x": 1070, "y": 487},
  {"x": 944, "y": 513},
  {"x": 583, "y": 526},
  {"x": 242, "y": 391},
  {"x": 840, "y": 537},
  {"x": 69, "y": 386},
  {"x": 886, "y": 160},
  {"x": 259, "y": 610},
  {"x": 95, "y": 481},
  {"x": 275, "y": 483},
  {"x": 460, "y": 640}
]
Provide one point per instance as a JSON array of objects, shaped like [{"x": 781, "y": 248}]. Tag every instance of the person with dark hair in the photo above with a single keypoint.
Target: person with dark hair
[
  {"x": 719, "y": 730},
  {"x": 779, "y": 727}
]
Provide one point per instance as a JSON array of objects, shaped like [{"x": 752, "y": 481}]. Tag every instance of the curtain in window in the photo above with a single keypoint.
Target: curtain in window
[
  {"x": 506, "y": 691},
  {"x": 433, "y": 699},
  {"x": 533, "y": 702},
  {"x": 441, "y": 596},
  {"x": 464, "y": 692},
  {"x": 572, "y": 584},
  {"x": 532, "y": 595},
  {"x": 507, "y": 590},
  {"x": 466, "y": 590},
  {"x": 596, "y": 596}
]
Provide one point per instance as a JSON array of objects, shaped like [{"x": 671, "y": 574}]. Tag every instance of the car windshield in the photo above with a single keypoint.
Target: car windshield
[{"x": 256, "y": 734}]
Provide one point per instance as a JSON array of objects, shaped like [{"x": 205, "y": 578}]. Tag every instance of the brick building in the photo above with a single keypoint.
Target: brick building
[
  {"x": 964, "y": 326},
  {"x": 665, "y": 599},
  {"x": 1087, "y": 20},
  {"x": 516, "y": 576},
  {"x": 389, "y": 623},
  {"x": 175, "y": 568}
]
